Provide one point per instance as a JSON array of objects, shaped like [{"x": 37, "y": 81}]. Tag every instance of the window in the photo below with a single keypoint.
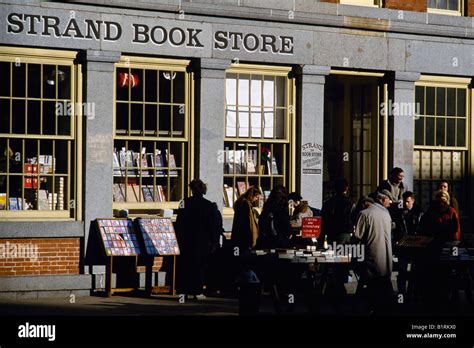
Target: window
[
  {"x": 152, "y": 133},
  {"x": 441, "y": 136},
  {"x": 39, "y": 134},
  {"x": 451, "y": 7},
  {"x": 259, "y": 130},
  {"x": 371, "y": 3}
]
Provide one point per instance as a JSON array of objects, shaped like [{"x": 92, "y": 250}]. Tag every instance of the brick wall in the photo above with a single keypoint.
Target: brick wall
[
  {"x": 470, "y": 8},
  {"x": 412, "y": 5},
  {"x": 51, "y": 256}
]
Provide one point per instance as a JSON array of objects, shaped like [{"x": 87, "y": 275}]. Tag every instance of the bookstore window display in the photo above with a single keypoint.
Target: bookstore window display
[
  {"x": 152, "y": 133},
  {"x": 441, "y": 137},
  {"x": 259, "y": 130},
  {"x": 38, "y": 142}
]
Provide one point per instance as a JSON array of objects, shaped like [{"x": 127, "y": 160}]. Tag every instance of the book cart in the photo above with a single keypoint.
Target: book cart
[
  {"x": 159, "y": 239},
  {"x": 119, "y": 239}
]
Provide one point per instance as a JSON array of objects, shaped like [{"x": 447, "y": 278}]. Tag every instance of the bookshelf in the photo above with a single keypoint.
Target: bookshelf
[
  {"x": 152, "y": 133},
  {"x": 259, "y": 131}
]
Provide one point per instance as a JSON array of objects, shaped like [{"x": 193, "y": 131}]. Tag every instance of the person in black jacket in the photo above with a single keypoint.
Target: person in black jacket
[
  {"x": 197, "y": 230},
  {"x": 274, "y": 222},
  {"x": 336, "y": 215}
]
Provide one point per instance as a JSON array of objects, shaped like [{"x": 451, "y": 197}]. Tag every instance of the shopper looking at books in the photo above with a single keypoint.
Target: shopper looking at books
[
  {"x": 245, "y": 224},
  {"x": 274, "y": 222},
  {"x": 453, "y": 202},
  {"x": 197, "y": 230},
  {"x": 441, "y": 220}
]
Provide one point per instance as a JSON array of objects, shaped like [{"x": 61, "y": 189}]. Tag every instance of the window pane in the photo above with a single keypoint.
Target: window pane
[
  {"x": 4, "y": 116},
  {"x": 34, "y": 117},
  {"x": 5, "y": 74},
  {"x": 432, "y": 3},
  {"x": 231, "y": 122},
  {"x": 122, "y": 84},
  {"x": 151, "y": 85},
  {"x": 256, "y": 90},
  {"x": 268, "y": 91},
  {"x": 461, "y": 132},
  {"x": 136, "y": 119},
  {"x": 419, "y": 131},
  {"x": 178, "y": 88},
  {"x": 231, "y": 89},
  {"x": 430, "y": 100},
  {"x": 49, "y": 81},
  {"x": 136, "y": 84},
  {"x": 440, "y": 101},
  {"x": 268, "y": 122},
  {"x": 430, "y": 131},
  {"x": 256, "y": 122},
  {"x": 243, "y": 121},
  {"x": 49, "y": 117},
  {"x": 440, "y": 131},
  {"x": 461, "y": 101},
  {"x": 178, "y": 121},
  {"x": 450, "y": 132},
  {"x": 18, "y": 80},
  {"x": 34, "y": 80},
  {"x": 244, "y": 85},
  {"x": 451, "y": 107},
  {"x": 121, "y": 118},
  {"x": 442, "y": 4},
  {"x": 280, "y": 123},
  {"x": 64, "y": 82},
  {"x": 453, "y": 5},
  {"x": 165, "y": 86},
  {"x": 281, "y": 90},
  {"x": 420, "y": 100},
  {"x": 18, "y": 121}
]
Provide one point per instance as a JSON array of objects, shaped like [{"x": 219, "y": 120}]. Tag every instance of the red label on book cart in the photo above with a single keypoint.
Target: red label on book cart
[{"x": 311, "y": 227}]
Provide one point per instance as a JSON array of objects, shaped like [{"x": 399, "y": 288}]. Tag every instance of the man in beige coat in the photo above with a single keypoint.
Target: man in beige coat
[{"x": 374, "y": 232}]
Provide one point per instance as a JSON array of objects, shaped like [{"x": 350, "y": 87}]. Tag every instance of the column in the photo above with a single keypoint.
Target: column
[
  {"x": 403, "y": 135},
  {"x": 98, "y": 147},
  {"x": 210, "y": 130},
  {"x": 310, "y": 111}
]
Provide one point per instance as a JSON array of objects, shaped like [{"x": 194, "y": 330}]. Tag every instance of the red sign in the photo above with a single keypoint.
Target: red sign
[
  {"x": 126, "y": 79},
  {"x": 311, "y": 227}
]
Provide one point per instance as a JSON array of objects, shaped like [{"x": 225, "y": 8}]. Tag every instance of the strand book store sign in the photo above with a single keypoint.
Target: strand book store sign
[
  {"x": 312, "y": 159},
  {"x": 179, "y": 37}
]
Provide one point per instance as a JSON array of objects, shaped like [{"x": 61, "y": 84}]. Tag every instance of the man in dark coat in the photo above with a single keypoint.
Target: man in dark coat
[{"x": 197, "y": 230}]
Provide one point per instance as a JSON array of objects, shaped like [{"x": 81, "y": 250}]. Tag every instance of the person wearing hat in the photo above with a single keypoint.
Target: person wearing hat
[
  {"x": 395, "y": 185},
  {"x": 373, "y": 230}
]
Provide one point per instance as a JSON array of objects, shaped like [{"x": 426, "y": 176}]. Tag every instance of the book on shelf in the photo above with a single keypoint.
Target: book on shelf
[
  {"x": 59, "y": 188},
  {"x": 230, "y": 195},
  {"x": 126, "y": 160},
  {"x": 13, "y": 203},
  {"x": 31, "y": 183},
  {"x": 274, "y": 166},
  {"x": 147, "y": 192},
  {"x": 118, "y": 193},
  {"x": 159, "y": 163},
  {"x": 53, "y": 201},
  {"x": 3, "y": 201},
  {"x": 47, "y": 164},
  {"x": 250, "y": 164},
  {"x": 117, "y": 170},
  {"x": 266, "y": 194},
  {"x": 143, "y": 161},
  {"x": 43, "y": 201},
  {"x": 171, "y": 163},
  {"x": 261, "y": 198},
  {"x": 242, "y": 187},
  {"x": 161, "y": 193}
]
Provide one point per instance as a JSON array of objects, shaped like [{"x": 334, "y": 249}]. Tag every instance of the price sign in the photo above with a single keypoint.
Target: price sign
[{"x": 311, "y": 227}]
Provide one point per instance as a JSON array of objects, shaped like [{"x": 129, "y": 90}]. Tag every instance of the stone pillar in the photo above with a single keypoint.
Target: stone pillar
[
  {"x": 403, "y": 135},
  {"x": 210, "y": 129},
  {"x": 98, "y": 146},
  {"x": 310, "y": 111}
]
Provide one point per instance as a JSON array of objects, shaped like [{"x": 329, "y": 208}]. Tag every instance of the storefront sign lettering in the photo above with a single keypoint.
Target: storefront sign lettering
[
  {"x": 141, "y": 33},
  {"x": 312, "y": 158}
]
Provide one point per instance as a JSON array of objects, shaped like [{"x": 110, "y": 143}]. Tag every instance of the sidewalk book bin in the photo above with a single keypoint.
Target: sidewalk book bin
[{"x": 249, "y": 291}]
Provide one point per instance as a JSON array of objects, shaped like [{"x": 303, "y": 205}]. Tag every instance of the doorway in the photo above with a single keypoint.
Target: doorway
[{"x": 353, "y": 133}]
